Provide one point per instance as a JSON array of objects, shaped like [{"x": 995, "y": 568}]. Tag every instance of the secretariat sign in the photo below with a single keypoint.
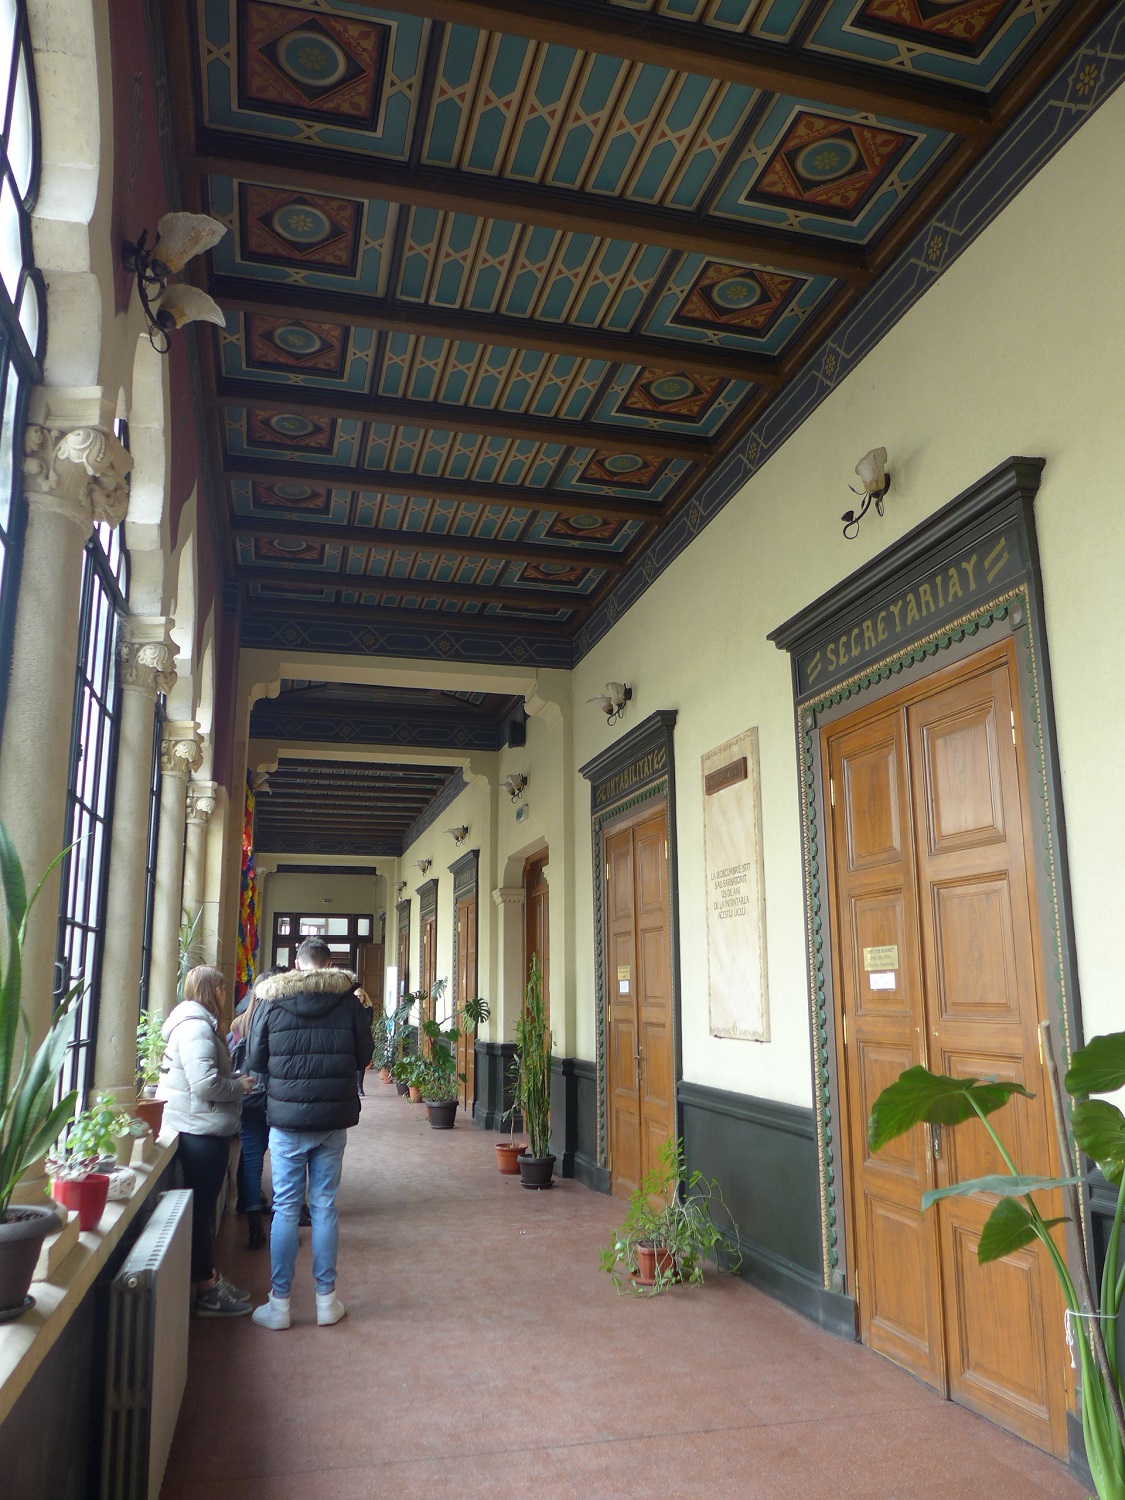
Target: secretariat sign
[
  {"x": 733, "y": 869},
  {"x": 938, "y": 596},
  {"x": 646, "y": 768}
]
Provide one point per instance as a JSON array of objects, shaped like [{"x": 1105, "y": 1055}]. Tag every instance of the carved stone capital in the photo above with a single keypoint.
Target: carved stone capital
[
  {"x": 200, "y": 801},
  {"x": 148, "y": 666},
  {"x": 508, "y": 895},
  {"x": 81, "y": 472},
  {"x": 181, "y": 754}
]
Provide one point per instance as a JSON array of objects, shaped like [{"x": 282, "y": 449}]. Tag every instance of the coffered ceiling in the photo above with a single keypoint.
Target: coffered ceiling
[{"x": 508, "y": 284}]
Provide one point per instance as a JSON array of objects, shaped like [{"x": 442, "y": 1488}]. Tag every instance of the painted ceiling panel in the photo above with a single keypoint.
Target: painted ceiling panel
[
  {"x": 346, "y": 76},
  {"x": 302, "y": 238},
  {"x": 968, "y": 42},
  {"x": 827, "y": 172},
  {"x": 608, "y": 222}
]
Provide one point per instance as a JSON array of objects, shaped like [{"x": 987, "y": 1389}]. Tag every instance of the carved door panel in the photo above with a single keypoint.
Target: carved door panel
[
  {"x": 428, "y": 961},
  {"x": 403, "y": 960},
  {"x": 466, "y": 989},
  {"x": 1004, "y": 1321},
  {"x": 640, "y": 1080},
  {"x": 936, "y": 962},
  {"x": 898, "y": 1264},
  {"x": 622, "y": 1065}
]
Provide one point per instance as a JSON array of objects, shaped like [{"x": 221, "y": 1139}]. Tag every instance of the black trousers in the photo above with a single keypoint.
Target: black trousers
[{"x": 203, "y": 1159}]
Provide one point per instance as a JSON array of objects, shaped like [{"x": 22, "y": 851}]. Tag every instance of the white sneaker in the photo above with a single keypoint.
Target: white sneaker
[
  {"x": 329, "y": 1308},
  {"x": 273, "y": 1314}
]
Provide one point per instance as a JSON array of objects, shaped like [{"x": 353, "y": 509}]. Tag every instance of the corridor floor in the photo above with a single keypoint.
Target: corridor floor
[{"x": 485, "y": 1354}]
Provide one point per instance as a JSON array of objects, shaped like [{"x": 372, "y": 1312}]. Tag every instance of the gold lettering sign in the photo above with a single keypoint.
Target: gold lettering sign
[
  {"x": 881, "y": 958},
  {"x": 945, "y": 592},
  {"x": 623, "y": 971},
  {"x": 646, "y": 768}
]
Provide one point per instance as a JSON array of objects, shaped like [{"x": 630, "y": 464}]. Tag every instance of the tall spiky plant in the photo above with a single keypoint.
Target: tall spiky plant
[
  {"x": 29, "y": 1120},
  {"x": 533, "y": 1079}
]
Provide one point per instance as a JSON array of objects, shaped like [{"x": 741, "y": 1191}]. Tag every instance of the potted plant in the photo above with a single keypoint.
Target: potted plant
[
  {"x": 533, "y": 1082},
  {"x": 29, "y": 1117},
  {"x": 150, "y": 1059},
  {"x": 439, "y": 1075},
  {"x": 96, "y": 1131},
  {"x": 77, "y": 1184},
  {"x": 401, "y": 1042},
  {"x": 382, "y": 1056},
  {"x": 1090, "y": 1126},
  {"x": 675, "y": 1220}
]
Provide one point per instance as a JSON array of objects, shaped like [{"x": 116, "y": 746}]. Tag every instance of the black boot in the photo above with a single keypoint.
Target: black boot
[{"x": 257, "y": 1233}]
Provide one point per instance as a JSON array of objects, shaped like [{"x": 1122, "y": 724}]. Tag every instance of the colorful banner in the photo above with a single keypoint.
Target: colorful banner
[{"x": 249, "y": 907}]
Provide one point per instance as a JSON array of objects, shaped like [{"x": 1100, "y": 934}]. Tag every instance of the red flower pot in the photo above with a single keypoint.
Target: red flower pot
[
  {"x": 151, "y": 1111},
  {"x": 87, "y": 1198},
  {"x": 508, "y": 1155},
  {"x": 653, "y": 1260}
]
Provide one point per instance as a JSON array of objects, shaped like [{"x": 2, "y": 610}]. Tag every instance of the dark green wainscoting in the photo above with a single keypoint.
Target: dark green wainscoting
[
  {"x": 574, "y": 1121},
  {"x": 494, "y": 1086},
  {"x": 764, "y": 1158}
]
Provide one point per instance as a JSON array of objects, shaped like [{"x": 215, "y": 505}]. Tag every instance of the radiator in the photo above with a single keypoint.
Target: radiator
[{"x": 146, "y": 1368}]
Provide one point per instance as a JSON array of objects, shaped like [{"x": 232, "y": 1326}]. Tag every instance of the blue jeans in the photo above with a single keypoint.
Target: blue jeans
[
  {"x": 254, "y": 1132},
  {"x": 295, "y": 1155}
]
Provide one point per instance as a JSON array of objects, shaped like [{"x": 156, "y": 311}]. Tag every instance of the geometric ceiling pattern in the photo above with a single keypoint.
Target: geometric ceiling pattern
[{"x": 505, "y": 282}]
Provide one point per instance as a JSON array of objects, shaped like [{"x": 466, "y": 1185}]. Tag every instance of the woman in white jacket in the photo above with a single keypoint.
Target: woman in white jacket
[{"x": 203, "y": 1102}]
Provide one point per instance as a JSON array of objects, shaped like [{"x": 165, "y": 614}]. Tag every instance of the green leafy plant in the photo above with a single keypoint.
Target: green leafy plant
[
  {"x": 439, "y": 1077},
  {"x": 680, "y": 1212},
  {"x": 150, "y": 1049},
  {"x": 533, "y": 1075},
  {"x": 94, "y": 1131},
  {"x": 381, "y": 1037},
  {"x": 1091, "y": 1126},
  {"x": 30, "y": 1120}
]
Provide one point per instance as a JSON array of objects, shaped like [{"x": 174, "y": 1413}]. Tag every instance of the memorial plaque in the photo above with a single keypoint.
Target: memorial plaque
[{"x": 733, "y": 867}]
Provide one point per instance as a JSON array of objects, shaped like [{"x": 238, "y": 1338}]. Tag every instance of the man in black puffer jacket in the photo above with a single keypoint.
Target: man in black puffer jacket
[{"x": 309, "y": 1036}]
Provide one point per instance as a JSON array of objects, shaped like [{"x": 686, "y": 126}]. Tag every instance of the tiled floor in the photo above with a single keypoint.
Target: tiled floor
[{"x": 484, "y": 1354}]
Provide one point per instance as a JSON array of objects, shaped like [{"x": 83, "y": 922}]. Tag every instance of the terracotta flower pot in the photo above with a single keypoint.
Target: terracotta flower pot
[
  {"x": 87, "y": 1198},
  {"x": 385, "y": 1074},
  {"x": 22, "y": 1233},
  {"x": 653, "y": 1260},
  {"x": 415, "y": 1094},
  {"x": 151, "y": 1111},
  {"x": 508, "y": 1155}
]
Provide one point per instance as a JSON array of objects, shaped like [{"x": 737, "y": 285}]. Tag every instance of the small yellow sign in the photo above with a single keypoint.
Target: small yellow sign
[
  {"x": 881, "y": 958},
  {"x": 623, "y": 972}
]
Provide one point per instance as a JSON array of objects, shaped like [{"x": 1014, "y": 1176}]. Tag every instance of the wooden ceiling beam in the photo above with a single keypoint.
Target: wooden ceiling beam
[
  {"x": 466, "y": 593},
  {"x": 442, "y": 416},
  {"x": 467, "y": 492},
  {"x": 426, "y": 321},
  {"x": 691, "y": 48},
  {"x": 421, "y": 541},
  {"x": 319, "y": 171}
]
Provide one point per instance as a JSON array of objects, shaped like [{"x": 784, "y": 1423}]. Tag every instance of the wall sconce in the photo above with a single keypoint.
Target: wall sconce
[
  {"x": 514, "y": 785},
  {"x": 423, "y": 864},
  {"x": 179, "y": 238},
  {"x": 400, "y": 887},
  {"x": 612, "y": 702},
  {"x": 459, "y": 834},
  {"x": 876, "y": 481},
  {"x": 260, "y": 783}
]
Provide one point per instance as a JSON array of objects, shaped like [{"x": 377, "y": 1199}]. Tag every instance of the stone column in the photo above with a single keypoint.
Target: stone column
[
  {"x": 200, "y": 806},
  {"x": 74, "y": 473},
  {"x": 509, "y": 900},
  {"x": 146, "y": 658},
  {"x": 180, "y": 755}
]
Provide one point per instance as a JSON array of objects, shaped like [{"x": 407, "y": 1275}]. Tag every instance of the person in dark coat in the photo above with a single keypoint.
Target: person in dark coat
[{"x": 310, "y": 1037}]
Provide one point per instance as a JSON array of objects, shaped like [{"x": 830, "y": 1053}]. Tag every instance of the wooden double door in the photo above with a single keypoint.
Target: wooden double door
[
  {"x": 937, "y": 962},
  {"x": 640, "y": 1062},
  {"x": 465, "y": 989}
]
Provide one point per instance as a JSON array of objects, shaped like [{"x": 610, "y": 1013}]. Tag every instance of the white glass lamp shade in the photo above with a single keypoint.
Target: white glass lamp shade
[
  {"x": 179, "y": 237},
  {"x": 872, "y": 471},
  {"x": 184, "y": 303},
  {"x": 616, "y": 691},
  {"x": 604, "y": 702}
]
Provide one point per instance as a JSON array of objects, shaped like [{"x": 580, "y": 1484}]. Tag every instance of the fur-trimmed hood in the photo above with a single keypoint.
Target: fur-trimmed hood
[{"x": 310, "y": 988}]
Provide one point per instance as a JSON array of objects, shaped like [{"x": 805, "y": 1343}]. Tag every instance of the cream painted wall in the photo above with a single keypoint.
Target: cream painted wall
[{"x": 1016, "y": 349}]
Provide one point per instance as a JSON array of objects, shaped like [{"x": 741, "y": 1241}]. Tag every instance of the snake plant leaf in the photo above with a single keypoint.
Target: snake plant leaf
[
  {"x": 1009, "y": 1227},
  {"x": 1099, "y": 1068},
  {"x": 919, "y": 1096},
  {"x": 1002, "y": 1185},
  {"x": 1099, "y": 1131}
]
